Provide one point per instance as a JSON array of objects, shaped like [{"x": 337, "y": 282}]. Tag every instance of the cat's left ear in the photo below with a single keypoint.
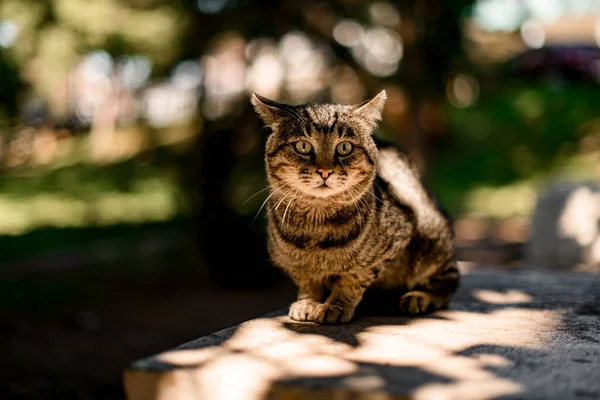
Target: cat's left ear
[
  {"x": 268, "y": 110},
  {"x": 371, "y": 110}
]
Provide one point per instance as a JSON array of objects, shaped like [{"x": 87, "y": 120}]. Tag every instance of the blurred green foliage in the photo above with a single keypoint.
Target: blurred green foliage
[
  {"x": 521, "y": 136},
  {"x": 497, "y": 151},
  {"x": 84, "y": 195}
]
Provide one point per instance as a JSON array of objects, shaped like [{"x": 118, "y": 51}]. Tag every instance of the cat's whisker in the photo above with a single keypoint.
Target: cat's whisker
[
  {"x": 271, "y": 186},
  {"x": 256, "y": 194},
  {"x": 265, "y": 202},
  {"x": 289, "y": 203},
  {"x": 355, "y": 194},
  {"x": 355, "y": 201},
  {"x": 344, "y": 165},
  {"x": 281, "y": 201},
  {"x": 369, "y": 189},
  {"x": 283, "y": 197},
  {"x": 361, "y": 200},
  {"x": 285, "y": 212},
  {"x": 377, "y": 198}
]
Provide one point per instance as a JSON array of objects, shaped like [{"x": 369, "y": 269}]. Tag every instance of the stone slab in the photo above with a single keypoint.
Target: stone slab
[
  {"x": 565, "y": 234},
  {"x": 508, "y": 334}
]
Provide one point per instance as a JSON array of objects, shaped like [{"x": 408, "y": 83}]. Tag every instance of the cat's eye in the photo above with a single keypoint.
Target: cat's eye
[
  {"x": 344, "y": 148},
  {"x": 303, "y": 147}
]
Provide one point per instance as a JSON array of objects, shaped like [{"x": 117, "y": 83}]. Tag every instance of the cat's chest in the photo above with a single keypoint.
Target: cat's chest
[
  {"x": 312, "y": 261},
  {"x": 329, "y": 248},
  {"x": 313, "y": 250},
  {"x": 332, "y": 232}
]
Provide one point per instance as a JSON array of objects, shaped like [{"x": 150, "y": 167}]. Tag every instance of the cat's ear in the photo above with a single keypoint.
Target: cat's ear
[
  {"x": 371, "y": 110},
  {"x": 268, "y": 110}
]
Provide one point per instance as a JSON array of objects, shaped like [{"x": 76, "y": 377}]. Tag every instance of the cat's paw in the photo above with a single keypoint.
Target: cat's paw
[
  {"x": 330, "y": 314},
  {"x": 303, "y": 310},
  {"x": 417, "y": 302}
]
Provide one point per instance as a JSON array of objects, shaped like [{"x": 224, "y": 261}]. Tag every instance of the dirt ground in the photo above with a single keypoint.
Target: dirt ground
[
  {"x": 78, "y": 349},
  {"x": 72, "y": 320}
]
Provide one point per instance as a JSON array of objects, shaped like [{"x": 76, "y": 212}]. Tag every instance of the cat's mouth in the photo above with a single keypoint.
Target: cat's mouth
[
  {"x": 322, "y": 190},
  {"x": 324, "y": 187}
]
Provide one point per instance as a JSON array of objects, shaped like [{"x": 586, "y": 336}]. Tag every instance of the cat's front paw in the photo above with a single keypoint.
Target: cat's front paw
[
  {"x": 303, "y": 310},
  {"x": 417, "y": 302},
  {"x": 330, "y": 314}
]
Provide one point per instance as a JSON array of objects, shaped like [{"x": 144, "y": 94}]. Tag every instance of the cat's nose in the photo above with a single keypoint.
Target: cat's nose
[{"x": 325, "y": 172}]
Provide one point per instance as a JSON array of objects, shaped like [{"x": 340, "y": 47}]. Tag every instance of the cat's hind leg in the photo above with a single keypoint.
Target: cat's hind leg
[{"x": 433, "y": 295}]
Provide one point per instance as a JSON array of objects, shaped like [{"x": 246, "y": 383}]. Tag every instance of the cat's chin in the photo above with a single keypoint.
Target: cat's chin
[{"x": 323, "y": 191}]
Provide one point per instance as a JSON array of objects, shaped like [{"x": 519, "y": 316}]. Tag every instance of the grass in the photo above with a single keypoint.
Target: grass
[
  {"x": 84, "y": 195},
  {"x": 48, "y": 239},
  {"x": 74, "y": 201}
]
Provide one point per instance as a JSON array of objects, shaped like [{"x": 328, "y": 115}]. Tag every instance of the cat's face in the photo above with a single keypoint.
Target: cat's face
[{"x": 320, "y": 150}]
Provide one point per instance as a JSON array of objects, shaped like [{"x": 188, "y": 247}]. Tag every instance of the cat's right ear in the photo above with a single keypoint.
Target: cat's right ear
[{"x": 268, "y": 110}]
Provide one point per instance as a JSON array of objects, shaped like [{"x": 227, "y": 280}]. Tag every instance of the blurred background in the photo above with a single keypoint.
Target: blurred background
[{"x": 131, "y": 163}]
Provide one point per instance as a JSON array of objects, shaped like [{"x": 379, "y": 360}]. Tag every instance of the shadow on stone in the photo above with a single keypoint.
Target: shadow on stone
[
  {"x": 506, "y": 335},
  {"x": 369, "y": 380},
  {"x": 542, "y": 373}
]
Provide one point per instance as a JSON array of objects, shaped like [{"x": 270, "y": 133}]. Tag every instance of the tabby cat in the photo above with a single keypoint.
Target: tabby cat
[{"x": 347, "y": 212}]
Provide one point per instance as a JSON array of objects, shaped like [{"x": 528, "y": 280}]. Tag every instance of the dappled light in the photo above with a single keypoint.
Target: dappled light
[
  {"x": 505, "y": 335},
  {"x": 265, "y": 351},
  {"x": 510, "y": 297}
]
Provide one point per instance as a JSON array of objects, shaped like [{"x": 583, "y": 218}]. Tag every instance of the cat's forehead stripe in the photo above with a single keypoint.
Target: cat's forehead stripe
[
  {"x": 335, "y": 120},
  {"x": 339, "y": 129},
  {"x": 310, "y": 113},
  {"x": 322, "y": 120},
  {"x": 348, "y": 132}
]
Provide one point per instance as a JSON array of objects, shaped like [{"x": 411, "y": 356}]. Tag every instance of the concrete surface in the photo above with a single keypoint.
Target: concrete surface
[{"x": 508, "y": 334}]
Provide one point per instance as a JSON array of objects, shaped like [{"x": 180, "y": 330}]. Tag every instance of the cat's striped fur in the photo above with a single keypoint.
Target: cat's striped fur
[{"x": 368, "y": 224}]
